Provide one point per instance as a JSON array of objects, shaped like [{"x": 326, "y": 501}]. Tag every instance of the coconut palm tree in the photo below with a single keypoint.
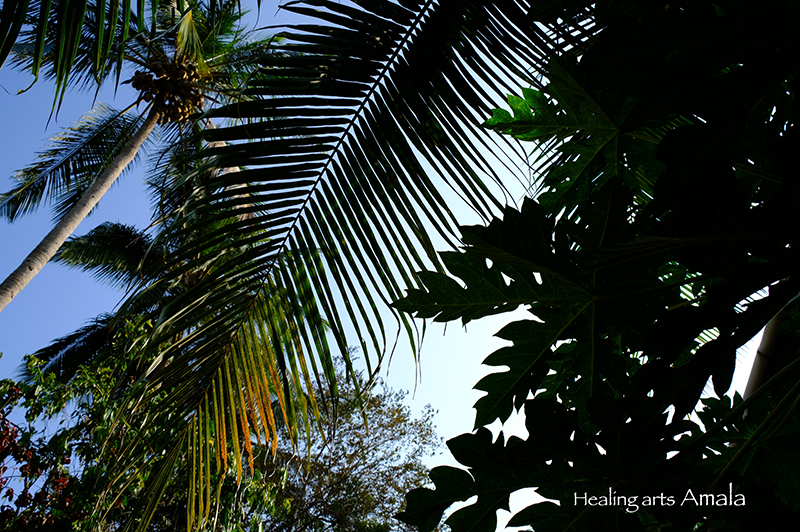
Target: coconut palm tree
[{"x": 183, "y": 56}]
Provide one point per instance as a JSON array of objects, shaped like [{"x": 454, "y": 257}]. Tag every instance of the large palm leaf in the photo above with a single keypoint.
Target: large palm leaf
[
  {"x": 349, "y": 155},
  {"x": 345, "y": 164}
]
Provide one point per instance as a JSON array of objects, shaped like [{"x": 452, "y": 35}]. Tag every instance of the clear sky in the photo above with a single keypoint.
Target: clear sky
[{"x": 60, "y": 300}]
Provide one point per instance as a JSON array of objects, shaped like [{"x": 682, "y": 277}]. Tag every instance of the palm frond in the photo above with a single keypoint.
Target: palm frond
[
  {"x": 118, "y": 254},
  {"x": 342, "y": 157},
  {"x": 73, "y": 41},
  {"x": 350, "y": 134},
  {"x": 189, "y": 43},
  {"x": 65, "y": 355},
  {"x": 12, "y": 18},
  {"x": 82, "y": 43},
  {"x": 228, "y": 400},
  {"x": 75, "y": 158},
  {"x": 233, "y": 67}
]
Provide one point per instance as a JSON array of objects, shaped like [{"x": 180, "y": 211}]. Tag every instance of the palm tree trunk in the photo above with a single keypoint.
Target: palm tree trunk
[
  {"x": 764, "y": 365},
  {"x": 45, "y": 251},
  {"x": 228, "y": 170}
]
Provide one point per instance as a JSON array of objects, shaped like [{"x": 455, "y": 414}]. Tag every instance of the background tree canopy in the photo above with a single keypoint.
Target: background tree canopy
[
  {"x": 350, "y": 480},
  {"x": 663, "y": 238},
  {"x": 356, "y": 478}
]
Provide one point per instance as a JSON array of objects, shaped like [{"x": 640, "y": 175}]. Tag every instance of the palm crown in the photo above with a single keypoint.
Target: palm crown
[{"x": 183, "y": 56}]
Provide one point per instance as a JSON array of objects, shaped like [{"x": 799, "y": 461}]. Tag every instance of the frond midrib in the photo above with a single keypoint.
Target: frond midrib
[{"x": 384, "y": 73}]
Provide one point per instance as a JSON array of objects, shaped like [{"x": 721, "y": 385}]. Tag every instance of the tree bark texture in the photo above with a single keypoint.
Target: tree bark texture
[
  {"x": 45, "y": 251},
  {"x": 764, "y": 365}
]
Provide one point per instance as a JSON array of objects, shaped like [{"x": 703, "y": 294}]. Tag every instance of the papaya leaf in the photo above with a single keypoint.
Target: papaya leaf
[
  {"x": 499, "y": 468},
  {"x": 546, "y": 515},
  {"x": 585, "y": 133},
  {"x": 531, "y": 267},
  {"x": 424, "y": 507}
]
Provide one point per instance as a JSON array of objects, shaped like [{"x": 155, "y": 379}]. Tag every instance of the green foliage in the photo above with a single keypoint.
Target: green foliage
[
  {"x": 88, "y": 41},
  {"x": 53, "y": 37},
  {"x": 584, "y": 141},
  {"x": 354, "y": 477},
  {"x": 571, "y": 304},
  {"x": 352, "y": 480},
  {"x": 75, "y": 158},
  {"x": 36, "y": 474},
  {"x": 80, "y": 420},
  {"x": 668, "y": 179}
]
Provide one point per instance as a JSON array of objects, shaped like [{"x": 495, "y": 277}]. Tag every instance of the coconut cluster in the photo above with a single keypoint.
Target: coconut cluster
[{"x": 174, "y": 88}]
